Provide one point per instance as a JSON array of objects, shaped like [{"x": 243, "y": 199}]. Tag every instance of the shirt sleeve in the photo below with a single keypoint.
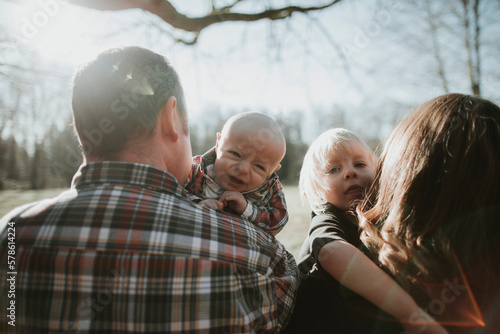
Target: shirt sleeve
[
  {"x": 326, "y": 228},
  {"x": 271, "y": 217}
]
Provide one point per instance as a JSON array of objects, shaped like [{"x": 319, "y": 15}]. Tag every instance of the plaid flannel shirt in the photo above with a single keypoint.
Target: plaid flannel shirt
[
  {"x": 125, "y": 251},
  {"x": 266, "y": 205}
]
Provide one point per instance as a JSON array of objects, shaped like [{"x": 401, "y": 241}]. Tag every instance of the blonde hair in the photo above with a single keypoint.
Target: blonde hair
[{"x": 317, "y": 160}]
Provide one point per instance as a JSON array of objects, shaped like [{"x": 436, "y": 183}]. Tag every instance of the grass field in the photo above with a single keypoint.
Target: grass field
[
  {"x": 9, "y": 199},
  {"x": 295, "y": 231},
  {"x": 291, "y": 236}
]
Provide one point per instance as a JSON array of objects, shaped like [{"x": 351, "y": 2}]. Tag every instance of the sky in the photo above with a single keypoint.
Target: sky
[
  {"x": 276, "y": 66},
  {"x": 342, "y": 56}
]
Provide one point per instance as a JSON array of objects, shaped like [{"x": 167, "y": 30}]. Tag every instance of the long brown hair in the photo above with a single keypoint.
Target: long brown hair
[{"x": 438, "y": 191}]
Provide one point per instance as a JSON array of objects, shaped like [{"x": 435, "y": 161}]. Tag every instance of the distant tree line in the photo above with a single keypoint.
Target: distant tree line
[
  {"x": 203, "y": 137},
  {"x": 450, "y": 45},
  {"x": 52, "y": 161}
]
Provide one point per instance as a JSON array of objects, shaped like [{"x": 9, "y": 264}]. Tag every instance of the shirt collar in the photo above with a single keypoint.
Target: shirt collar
[
  {"x": 330, "y": 208},
  {"x": 126, "y": 173},
  {"x": 208, "y": 158}
]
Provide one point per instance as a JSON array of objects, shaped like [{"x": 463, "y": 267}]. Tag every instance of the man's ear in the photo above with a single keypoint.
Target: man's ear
[
  {"x": 277, "y": 168},
  {"x": 166, "y": 119}
]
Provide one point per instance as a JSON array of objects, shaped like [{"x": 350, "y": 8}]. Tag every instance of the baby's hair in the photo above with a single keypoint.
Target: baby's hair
[
  {"x": 317, "y": 160},
  {"x": 263, "y": 129},
  {"x": 266, "y": 129}
]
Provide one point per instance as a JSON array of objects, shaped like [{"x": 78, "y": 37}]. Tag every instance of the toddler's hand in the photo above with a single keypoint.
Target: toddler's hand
[
  {"x": 234, "y": 200},
  {"x": 422, "y": 323},
  {"x": 212, "y": 203}
]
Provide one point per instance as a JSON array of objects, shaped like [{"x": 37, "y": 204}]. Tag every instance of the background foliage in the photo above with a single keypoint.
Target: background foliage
[{"x": 358, "y": 64}]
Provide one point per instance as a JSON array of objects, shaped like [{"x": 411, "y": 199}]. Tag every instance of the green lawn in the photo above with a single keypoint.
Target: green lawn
[
  {"x": 295, "y": 231},
  {"x": 9, "y": 199},
  {"x": 291, "y": 236}
]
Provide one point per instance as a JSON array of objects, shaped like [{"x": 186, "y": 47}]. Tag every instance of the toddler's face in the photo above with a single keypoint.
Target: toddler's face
[
  {"x": 349, "y": 175},
  {"x": 242, "y": 163}
]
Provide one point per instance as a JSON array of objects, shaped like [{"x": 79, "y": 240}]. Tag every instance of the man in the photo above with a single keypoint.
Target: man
[{"x": 124, "y": 250}]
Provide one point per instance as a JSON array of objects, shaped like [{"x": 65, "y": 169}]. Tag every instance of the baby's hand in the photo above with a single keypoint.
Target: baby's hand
[
  {"x": 234, "y": 200},
  {"x": 212, "y": 203}
]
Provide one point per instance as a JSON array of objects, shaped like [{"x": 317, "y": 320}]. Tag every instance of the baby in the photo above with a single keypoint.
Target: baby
[{"x": 238, "y": 174}]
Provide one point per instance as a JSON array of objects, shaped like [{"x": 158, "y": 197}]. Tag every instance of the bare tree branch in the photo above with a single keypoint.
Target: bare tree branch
[
  {"x": 168, "y": 13},
  {"x": 472, "y": 44},
  {"x": 436, "y": 50},
  {"x": 477, "y": 63},
  {"x": 228, "y": 7}
]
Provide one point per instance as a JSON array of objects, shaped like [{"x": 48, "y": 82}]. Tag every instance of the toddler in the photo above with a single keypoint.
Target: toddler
[
  {"x": 239, "y": 173},
  {"x": 337, "y": 171}
]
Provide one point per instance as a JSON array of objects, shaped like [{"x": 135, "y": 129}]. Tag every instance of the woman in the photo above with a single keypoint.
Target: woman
[{"x": 434, "y": 221}]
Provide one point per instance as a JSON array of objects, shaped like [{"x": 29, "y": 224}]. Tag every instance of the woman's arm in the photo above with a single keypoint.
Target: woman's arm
[{"x": 357, "y": 272}]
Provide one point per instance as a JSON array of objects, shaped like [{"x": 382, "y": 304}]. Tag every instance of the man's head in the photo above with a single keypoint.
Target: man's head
[
  {"x": 118, "y": 96},
  {"x": 249, "y": 149}
]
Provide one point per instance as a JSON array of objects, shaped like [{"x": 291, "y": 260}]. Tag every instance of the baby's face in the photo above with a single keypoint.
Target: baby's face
[
  {"x": 244, "y": 164},
  {"x": 349, "y": 175}
]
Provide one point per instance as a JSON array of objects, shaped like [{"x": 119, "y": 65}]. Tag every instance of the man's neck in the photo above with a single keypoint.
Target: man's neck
[{"x": 141, "y": 153}]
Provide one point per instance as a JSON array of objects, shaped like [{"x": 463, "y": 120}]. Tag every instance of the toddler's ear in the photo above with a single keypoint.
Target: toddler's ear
[
  {"x": 217, "y": 142},
  {"x": 277, "y": 168}
]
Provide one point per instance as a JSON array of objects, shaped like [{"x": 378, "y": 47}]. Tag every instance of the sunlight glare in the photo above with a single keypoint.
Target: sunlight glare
[{"x": 57, "y": 32}]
